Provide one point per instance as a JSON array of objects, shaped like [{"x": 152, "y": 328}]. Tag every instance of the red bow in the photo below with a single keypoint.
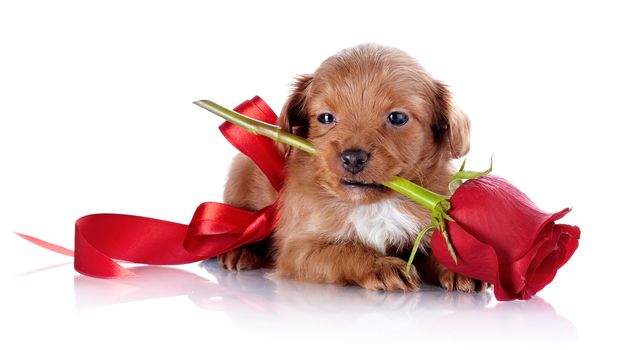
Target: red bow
[{"x": 214, "y": 229}]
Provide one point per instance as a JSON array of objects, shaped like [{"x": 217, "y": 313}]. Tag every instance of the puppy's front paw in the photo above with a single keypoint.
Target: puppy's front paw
[
  {"x": 240, "y": 259},
  {"x": 453, "y": 281},
  {"x": 389, "y": 274}
]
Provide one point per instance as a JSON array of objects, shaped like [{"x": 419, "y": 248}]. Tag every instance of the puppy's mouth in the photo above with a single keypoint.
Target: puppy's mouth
[{"x": 362, "y": 185}]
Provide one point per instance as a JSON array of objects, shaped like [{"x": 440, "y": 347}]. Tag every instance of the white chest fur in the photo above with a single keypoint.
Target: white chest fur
[{"x": 383, "y": 223}]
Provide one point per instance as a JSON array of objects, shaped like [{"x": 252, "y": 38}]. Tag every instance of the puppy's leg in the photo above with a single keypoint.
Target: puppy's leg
[
  {"x": 432, "y": 272},
  {"x": 345, "y": 263},
  {"x": 248, "y": 188}
]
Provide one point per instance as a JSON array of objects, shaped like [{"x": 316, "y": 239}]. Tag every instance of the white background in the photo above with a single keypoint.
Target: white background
[{"x": 96, "y": 116}]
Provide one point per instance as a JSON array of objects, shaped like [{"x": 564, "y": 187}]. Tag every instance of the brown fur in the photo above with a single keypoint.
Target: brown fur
[{"x": 313, "y": 241}]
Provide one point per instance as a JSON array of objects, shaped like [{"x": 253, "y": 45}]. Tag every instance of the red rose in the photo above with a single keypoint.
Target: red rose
[{"x": 501, "y": 237}]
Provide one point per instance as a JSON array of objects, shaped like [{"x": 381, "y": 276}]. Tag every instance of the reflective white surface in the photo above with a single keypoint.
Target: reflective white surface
[{"x": 204, "y": 304}]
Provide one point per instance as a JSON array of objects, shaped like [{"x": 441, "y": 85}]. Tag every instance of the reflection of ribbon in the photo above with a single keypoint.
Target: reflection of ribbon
[
  {"x": 214, "y": 229},
  {"x": 154, "y": 282}
]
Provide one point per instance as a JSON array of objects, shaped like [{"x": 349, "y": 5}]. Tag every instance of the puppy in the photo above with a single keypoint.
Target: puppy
[{"x": 372, "y": 112}]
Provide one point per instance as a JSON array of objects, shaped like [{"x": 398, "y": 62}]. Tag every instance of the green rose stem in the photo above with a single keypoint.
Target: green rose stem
[{"x": 436, "y": 203}]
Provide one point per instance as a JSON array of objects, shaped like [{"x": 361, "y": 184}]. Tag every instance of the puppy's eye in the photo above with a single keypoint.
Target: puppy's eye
[
  {"x": 326, "y": 118},
  {"x": 397, "y": 118}
]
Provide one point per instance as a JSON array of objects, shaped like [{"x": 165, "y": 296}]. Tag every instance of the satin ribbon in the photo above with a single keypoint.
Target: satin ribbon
[{"x": 101, "y": 240}]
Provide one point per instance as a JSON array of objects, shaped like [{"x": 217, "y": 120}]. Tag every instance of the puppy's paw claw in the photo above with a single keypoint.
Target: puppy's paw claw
[
  {"x": 452, "y": 281},
  {"x": 389, "y": 274},
  {"x": 240, "y": 259}
]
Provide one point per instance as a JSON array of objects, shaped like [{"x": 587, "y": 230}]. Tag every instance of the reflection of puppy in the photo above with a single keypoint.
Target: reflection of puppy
[{"x": 372, "y": 113}]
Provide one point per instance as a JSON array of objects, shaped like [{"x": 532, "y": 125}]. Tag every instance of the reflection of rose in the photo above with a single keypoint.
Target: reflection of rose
[{"x": 502, "y": 238}]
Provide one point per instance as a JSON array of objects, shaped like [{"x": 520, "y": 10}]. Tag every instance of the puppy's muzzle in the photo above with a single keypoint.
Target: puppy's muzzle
[{"x": 354, "y": 160}]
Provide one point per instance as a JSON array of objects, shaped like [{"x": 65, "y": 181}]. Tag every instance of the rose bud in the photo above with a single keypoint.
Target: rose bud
[{"x": 499, "y": 236}]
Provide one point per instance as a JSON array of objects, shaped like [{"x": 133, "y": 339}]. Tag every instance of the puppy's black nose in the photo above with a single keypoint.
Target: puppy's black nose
[{"x": 354, "y": 160}]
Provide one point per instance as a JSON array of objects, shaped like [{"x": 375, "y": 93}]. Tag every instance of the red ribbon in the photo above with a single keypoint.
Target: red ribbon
[{"x": 215, "y": 228}]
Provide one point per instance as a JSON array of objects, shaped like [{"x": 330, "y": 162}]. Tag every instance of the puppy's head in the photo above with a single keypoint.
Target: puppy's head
[{"x": 373, "y": 113}]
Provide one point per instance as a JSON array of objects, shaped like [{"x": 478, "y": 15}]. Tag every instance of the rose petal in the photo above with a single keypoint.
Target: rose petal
[
  {"x": 500, "y": 215},
  {"x": 475, "y": 259}
]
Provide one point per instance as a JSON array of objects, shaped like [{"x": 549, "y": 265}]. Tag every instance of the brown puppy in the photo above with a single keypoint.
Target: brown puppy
[{"x": 372, "y": 113}]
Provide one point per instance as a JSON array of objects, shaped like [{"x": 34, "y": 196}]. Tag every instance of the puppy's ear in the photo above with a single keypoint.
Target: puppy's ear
[
  {"x": 451, "y": 125},
  {"x": 293, "y": 118}
]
